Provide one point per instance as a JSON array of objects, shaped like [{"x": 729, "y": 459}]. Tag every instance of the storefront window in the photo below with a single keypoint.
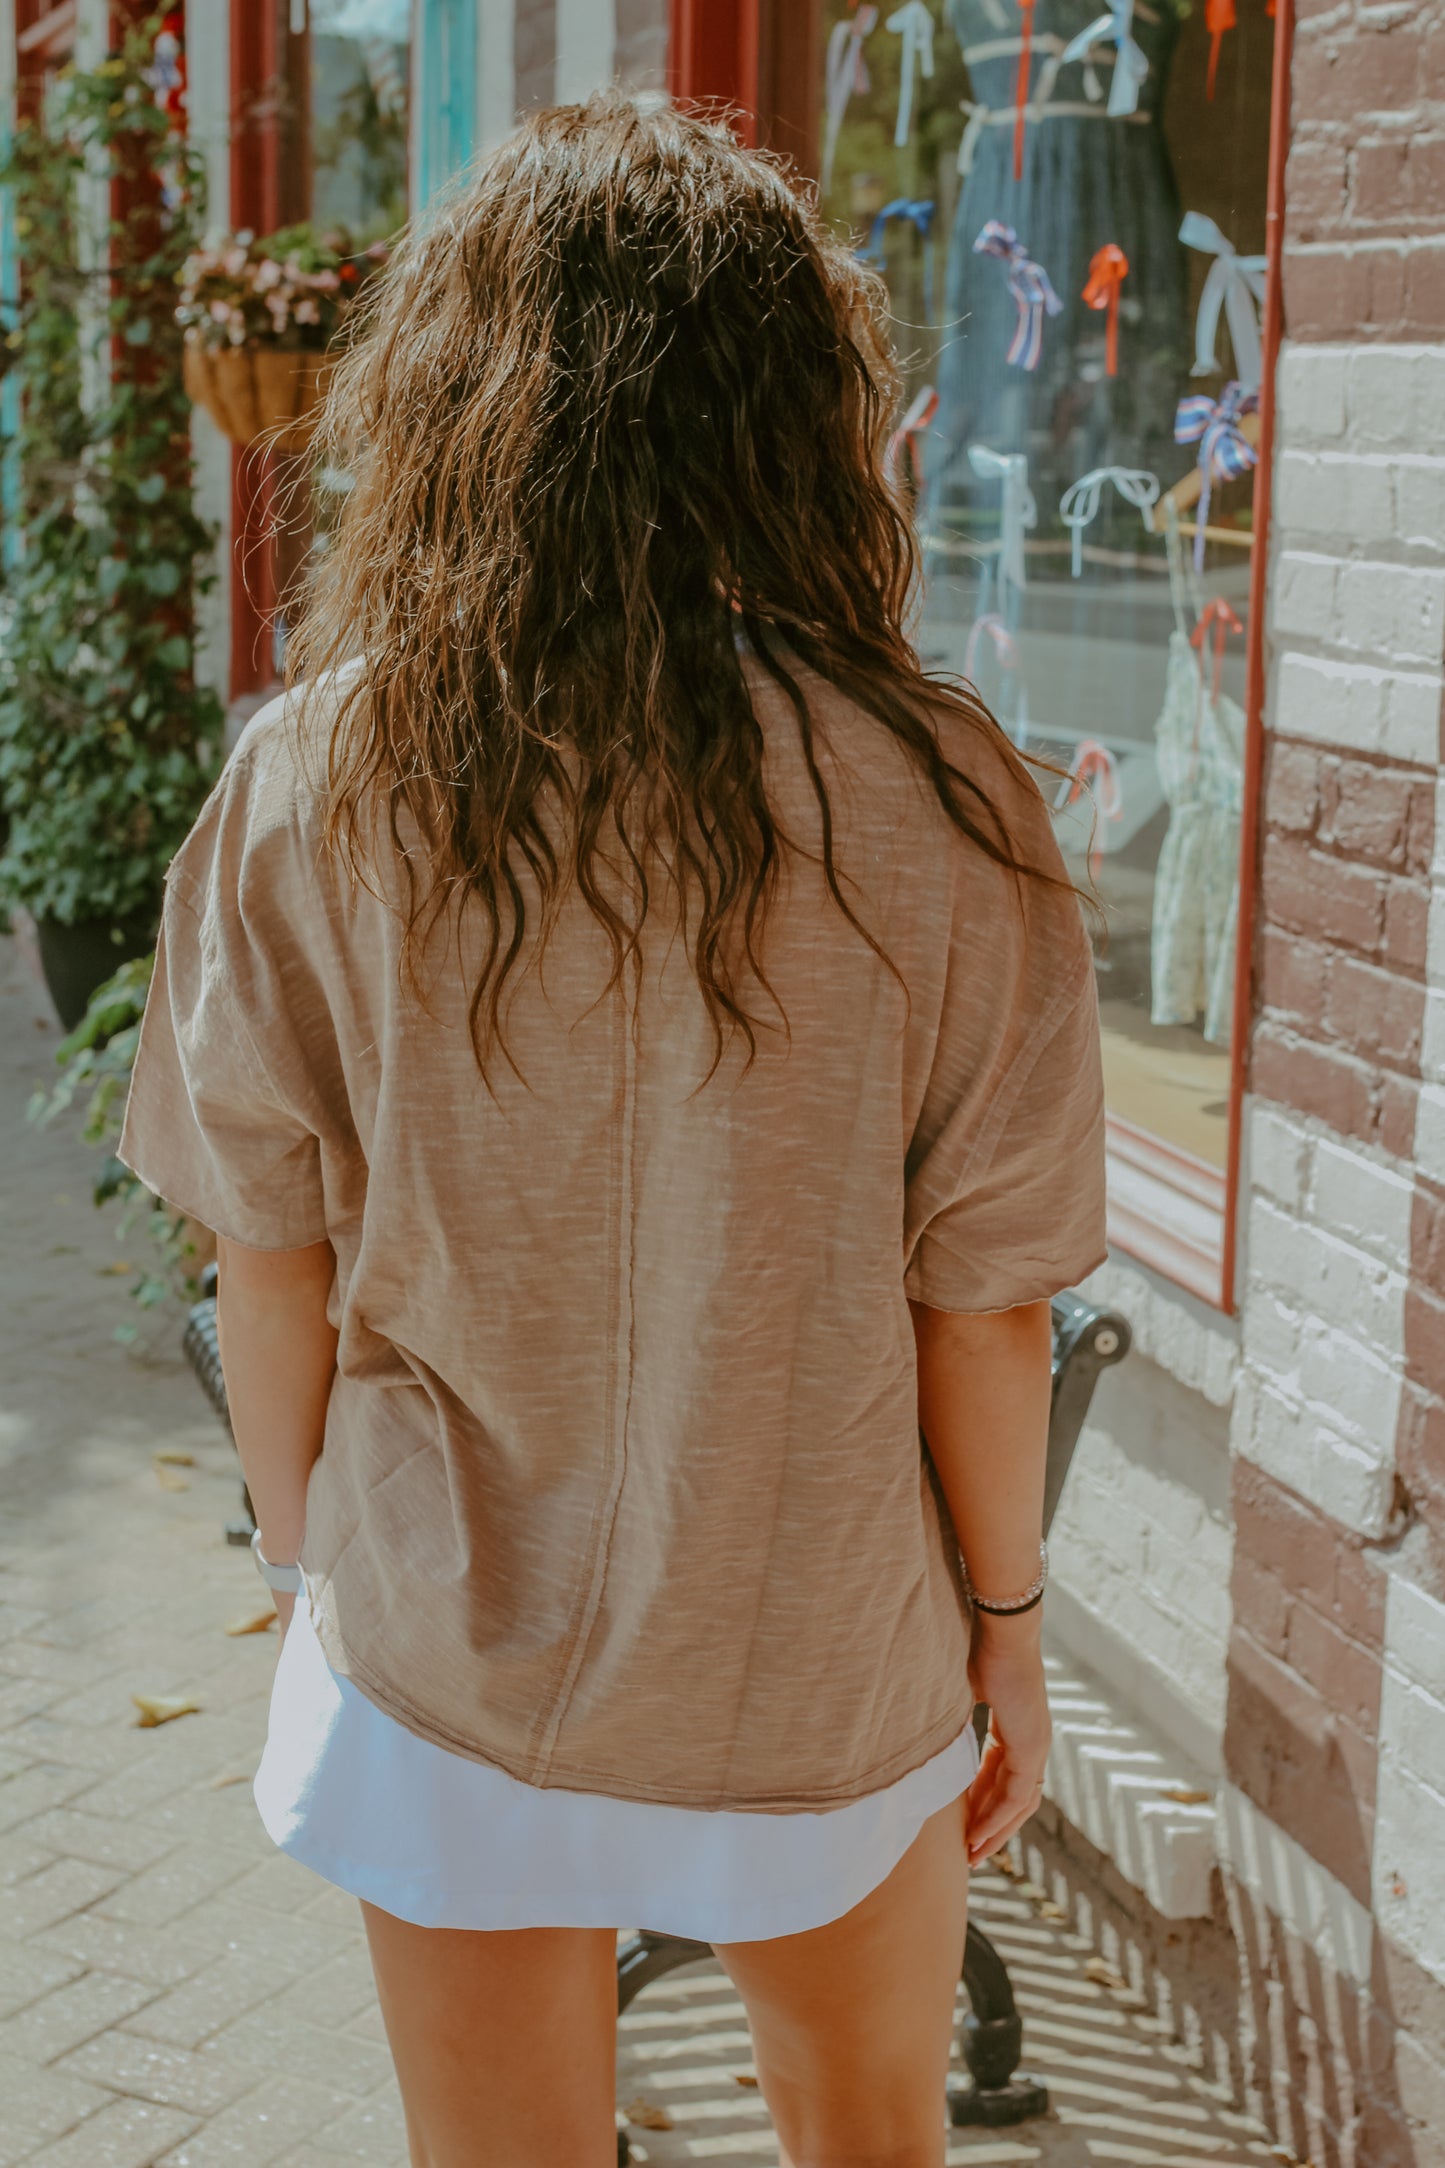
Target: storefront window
[
  {"x": 1076, "y": 295},
  {"x": 359, "y": 63}
]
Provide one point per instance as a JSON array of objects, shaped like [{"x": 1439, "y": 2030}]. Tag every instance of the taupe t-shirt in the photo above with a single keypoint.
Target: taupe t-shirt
[{"x": 622, "y": 1487}]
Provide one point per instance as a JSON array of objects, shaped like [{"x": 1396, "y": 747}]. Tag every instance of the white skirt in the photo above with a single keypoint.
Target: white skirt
[{"x": 446, "y": 1842}]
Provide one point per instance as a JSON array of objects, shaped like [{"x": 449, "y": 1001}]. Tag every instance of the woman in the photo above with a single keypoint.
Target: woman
[{"x": 635, "y": 1041}]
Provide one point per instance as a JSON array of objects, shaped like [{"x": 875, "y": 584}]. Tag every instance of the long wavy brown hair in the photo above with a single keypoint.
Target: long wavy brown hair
[{"x": 619, "y": 400}]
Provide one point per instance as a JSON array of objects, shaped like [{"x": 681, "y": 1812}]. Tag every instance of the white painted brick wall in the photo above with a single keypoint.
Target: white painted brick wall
[
  {"x": 1310, "y": 389},
  {"x": 1378, "y": 398},
  {"x": 1358, "y": 707},
  {"x": 1326, "y": 1257},
  {"x": 1305, "y": 1447},
  {"x": 1142, "y": 1556},
  {"x": 1340, "y": 498},
  {"x": 1362, "y": 1197},
  {"x": 1338, "y": 1282},
  {"x": 1409, "y": 1841},
  {"x": 1393, "y": 613}
]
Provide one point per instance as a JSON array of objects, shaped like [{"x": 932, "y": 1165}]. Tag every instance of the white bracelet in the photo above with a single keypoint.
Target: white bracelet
[
  {"x": 1004, "y": 1606},
  {"x": 285, "y": 1579}
]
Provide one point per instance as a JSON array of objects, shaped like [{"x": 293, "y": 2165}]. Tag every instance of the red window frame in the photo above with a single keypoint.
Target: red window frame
[{"x": 1168, "y": 1209}]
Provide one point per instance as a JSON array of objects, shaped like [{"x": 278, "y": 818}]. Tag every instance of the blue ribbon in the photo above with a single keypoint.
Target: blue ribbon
[
  {"x": 1224, "y": 451},
  {"x": 911, "y": 211},
  {"x": 1030, "y": 286},
  {"x": 1130, "y": 66}
]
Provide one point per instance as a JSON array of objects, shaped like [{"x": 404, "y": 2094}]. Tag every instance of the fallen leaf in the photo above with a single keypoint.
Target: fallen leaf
[
  {"x": 647, "y": 2115},
  {"x": 163, "y": 1708},
  {"x": 253, "y": 1622},
  {"x": 745, "y": 2077},
  {"x": 118, "y": 1270},
  {"x": 231, "y": 1776},
  {"x": 174, "y": 1456},
  {"x": 1048, "y": 1910},
  {"x": 1099, "y": 1969},
  {"x": 1031, "y": 1889},
  {"x": 171, "y": 1478},
  {"x": 1186, "y": 1795}
]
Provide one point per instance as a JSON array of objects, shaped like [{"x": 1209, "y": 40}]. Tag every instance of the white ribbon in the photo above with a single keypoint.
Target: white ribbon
[
  {"x": 1235, "y": 283},
  {"x": 844, "y": 72},
  {"x": 1130, "y": 63},
  {"x": 1079, "y": 505},
  {"x": 979, "y": 117},
  {"x": 1017, "y": 510},
  {"x": 914, "y": 25}
]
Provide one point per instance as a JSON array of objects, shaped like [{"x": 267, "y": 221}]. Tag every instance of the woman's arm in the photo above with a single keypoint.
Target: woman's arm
[
  {"x": 983, "y": 1404},
  {"x": 278, "y": 1353}
]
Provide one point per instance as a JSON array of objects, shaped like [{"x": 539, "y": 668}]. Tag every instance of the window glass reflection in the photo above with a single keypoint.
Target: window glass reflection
[{"x": 1067, "y": 201}]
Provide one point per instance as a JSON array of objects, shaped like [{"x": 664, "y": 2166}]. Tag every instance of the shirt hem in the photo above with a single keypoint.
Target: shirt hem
[
  {"x": 623, "y": 1784},
  {"x": 759, "y": 1916}
]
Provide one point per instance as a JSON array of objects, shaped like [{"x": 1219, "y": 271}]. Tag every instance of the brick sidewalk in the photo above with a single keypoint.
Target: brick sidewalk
[{"x": 171, "y": 1990}]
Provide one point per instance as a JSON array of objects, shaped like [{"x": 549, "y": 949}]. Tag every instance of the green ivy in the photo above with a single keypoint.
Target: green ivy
[
  {"x": 107, "y": 744},
  {"x": 95, "y": 1063}
]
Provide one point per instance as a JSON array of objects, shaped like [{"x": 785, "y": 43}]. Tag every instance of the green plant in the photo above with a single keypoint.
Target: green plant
[
  {"x": 107, "y": 744},
  {"x": 95, "y": 1063}
]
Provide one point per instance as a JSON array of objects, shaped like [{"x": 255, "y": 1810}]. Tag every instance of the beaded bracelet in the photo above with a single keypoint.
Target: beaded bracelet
[{"x": 1010, "y": 1606}]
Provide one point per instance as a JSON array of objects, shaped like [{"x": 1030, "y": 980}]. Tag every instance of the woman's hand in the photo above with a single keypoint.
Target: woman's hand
[{"x": 1006, "y": 1670}]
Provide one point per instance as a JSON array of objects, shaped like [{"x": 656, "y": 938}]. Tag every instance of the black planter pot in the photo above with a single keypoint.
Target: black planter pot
[{"x": 76, "y": 959}]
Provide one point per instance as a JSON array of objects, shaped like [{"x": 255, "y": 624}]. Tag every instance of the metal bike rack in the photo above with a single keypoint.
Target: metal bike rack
[{"x": 1087, "y": 1340}]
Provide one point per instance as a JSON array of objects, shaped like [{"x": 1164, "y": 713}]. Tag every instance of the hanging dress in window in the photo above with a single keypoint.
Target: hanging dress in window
[
  {"x": 1088, "y": 180},
  {"x": 1199, "y": 739}
]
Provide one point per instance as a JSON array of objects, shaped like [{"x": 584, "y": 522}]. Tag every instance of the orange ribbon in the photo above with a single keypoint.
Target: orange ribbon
[
  {"x": 1220, "y": 616},
  {"x": 1219, "y": 16},
  {"x": 1108, "y": 270},
  {"x": 1022, "y": 87}
]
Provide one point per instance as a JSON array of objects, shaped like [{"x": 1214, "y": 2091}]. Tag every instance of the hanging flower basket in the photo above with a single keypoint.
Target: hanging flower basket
[
  {"x": 259, "y": 317},
  {"x": 256, "y": 392}
]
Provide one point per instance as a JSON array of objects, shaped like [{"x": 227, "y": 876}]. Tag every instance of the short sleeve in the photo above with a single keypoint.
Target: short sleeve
[
  {"x": 1004, "y": 1196},
  {"x": 207, "y": 1125}
]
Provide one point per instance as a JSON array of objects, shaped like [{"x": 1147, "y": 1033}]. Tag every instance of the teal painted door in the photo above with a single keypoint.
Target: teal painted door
[{"x": 446, "y": 91}]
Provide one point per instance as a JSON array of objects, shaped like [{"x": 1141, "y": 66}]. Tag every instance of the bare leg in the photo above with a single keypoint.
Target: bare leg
[
  {"x": 504, "y": 2044},
  {"x": 852, "y": 2023}
]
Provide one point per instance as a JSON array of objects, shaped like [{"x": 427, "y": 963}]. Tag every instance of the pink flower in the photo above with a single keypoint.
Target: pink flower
[
  {"x": 267, "y": 275},
  {"x": 307, "y": 312}
]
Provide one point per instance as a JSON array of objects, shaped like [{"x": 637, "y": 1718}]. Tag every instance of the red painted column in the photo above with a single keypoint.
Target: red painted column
[{"x": 714, "y": 56}]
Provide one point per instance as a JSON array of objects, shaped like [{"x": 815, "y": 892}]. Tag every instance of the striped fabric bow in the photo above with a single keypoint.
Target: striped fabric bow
[
  {"x": 1130, "y": 64},
  {"x": 1079, "y": 505},
  {"x": 1030, "y": 286},
  {"x": 1224, "y": 451},
  {"x": 911, "y": 211}
]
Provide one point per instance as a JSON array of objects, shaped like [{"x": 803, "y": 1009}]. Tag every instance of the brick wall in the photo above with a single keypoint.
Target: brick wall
[{"x": 1335, "y": 1732}]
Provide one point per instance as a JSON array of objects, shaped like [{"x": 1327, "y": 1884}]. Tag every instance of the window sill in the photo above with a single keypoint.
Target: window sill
[{"x": 1166, "y": 1208}]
